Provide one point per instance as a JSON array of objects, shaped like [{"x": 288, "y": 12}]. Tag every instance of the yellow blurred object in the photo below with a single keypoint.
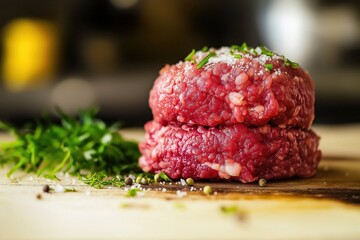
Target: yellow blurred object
[{"x": 30, "y": 53}]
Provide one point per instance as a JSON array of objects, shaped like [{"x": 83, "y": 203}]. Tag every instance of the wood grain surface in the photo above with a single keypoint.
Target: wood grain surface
[{"x": 324, "y": 207}]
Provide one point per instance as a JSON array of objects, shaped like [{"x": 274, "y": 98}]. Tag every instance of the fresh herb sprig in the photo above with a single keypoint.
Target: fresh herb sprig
[
  {"x": 190, "y": 56},
  {"x": 101, "y": 180},
  {"x": 205, "y": 60},
  {"x": 238, "y": 51},
  {"x": 269, "y": 66},
  {"x": 74, "y": 145}
]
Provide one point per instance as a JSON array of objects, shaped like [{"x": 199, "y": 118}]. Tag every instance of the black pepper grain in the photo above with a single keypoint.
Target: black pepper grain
[
  {"x": 144, "y": 181},
  {"x": 46, "y": 188},
  {"x": 262, "y": 182},
  {"x": 128, "y": 181},
  {"x": 39, "y": 196}
]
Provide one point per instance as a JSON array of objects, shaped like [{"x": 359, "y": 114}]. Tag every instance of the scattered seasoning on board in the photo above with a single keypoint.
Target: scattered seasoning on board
[
  {"x": 262, "y": 182},
  {"x": 165, "y": 177},
  {"x": 229, "y": 209},
  {"x": 132, "y": 192},
  {"x": 233, "y": 210},
  {"x": 180, "y": 206},
  {"x": 138, "y": 179},
  {"x": 157, "y": 178},
  {"x": 182, "y": 182},
  {"x": 144, "y": 181},
  {"x": 190, "y": 181},
  {"x": 128, "y": 181},
  {"x": 207, "y": 190},
  {"x": 46, "y": 188},
  {"x": 67, "y": 189}
]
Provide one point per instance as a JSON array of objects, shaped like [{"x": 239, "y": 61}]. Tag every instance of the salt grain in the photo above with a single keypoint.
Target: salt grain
[
  {"x": 183, "y": 182},
  {"x": 140, "y": 194},
  {"x": 59, "y": 188},
  {"x": 224, "y": 55},
  {"x": 59, "y": 174},
  {"x": 180, "y": 194}
]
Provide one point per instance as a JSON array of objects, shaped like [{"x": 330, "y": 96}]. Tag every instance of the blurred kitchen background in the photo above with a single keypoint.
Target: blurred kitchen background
[{"x": 107, "y": 53}]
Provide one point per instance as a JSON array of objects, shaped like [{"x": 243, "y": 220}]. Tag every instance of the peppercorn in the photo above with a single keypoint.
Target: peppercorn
[
  {"x": 262, "y": 182},
  {"x": 138, "y": 179},
  {"x": 157, "y": 178},
  {"x": 39, "y": 196},
  {"x": 144, "y": 181},
  {"x": 46, "y": 188},
  {"x": 190, "y": 181},
  {"x": 128, "y": 181},
  {"x": 207, "y": 190}
]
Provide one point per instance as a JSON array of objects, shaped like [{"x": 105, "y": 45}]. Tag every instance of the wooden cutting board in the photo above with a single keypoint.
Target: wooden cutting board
[{"x": 324, "y": 207}]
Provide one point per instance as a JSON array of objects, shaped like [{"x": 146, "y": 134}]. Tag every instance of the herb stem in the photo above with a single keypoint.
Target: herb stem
[
  {"x": 61, "y": 165},
  {"x": 190, "y": 56},
  {"x": 205, "y": 60}
]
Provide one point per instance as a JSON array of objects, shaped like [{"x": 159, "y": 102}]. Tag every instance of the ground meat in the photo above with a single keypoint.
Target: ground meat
[
  {"x": 229, "y": 91},
  {"x": 235, "y": 152},
  {"x": 239, "y": 116}
]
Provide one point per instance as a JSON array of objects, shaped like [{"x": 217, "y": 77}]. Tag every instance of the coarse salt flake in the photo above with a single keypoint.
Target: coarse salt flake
[
  {"x": 59, "y": 188},
  {"x": 180, "y": 194},
  {"x": 183, "y": 182}
]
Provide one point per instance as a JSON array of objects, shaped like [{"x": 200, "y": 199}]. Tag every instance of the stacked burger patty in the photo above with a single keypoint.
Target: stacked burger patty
[{"x": 234, "y": 113}]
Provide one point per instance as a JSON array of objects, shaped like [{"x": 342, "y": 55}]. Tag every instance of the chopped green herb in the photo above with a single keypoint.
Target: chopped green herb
[
  {"x": 207, "y": 190},
  {"x": 132, "y": 192},
  {"x": 134, "y": 205},
  {"x": 236, "y": 50},
  {"x": 70, "y": 190},
  {"x": 266, "y": 51},
  {"x": 190, "y": 56},
  {"x": 243, "y": 48},
  {"x": 164, "y": 177},
  {"x": 269, "y": 66},
  {"x": 101, "y": 180},
  {"x": 229, "y": 209},
  {"x": 72, "y": 145},
  {"x": 205, "y": 49},
  {"x": 288, "y": 63},
  {"x": 125, "y": 205},
  {"x": 233, "y": 210},
  {"x": 237, "y": 56},
  {"x": 205, "y": 60},
  {"x": 180, "y": 206},
  {"x": 234, "y": 47}
]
